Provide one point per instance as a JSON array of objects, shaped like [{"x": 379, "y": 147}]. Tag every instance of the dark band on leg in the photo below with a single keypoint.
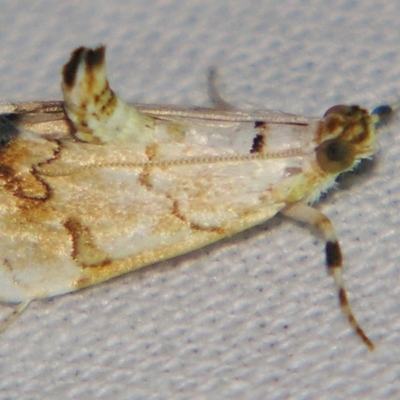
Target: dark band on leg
[{"x": 333, "y": 255}]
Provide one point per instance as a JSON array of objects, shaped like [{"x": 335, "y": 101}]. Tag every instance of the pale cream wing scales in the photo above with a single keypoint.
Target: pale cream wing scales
[
  {"x": 107, "y": 215},
  {"x": 33, "y": 241},
  {"x": 78, "y": 226},
  {"x": 134, "y": 189},
  {"x": 138, "y": 215}
]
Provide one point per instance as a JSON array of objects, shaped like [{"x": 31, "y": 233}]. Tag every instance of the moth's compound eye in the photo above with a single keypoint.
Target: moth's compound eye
[{"x": 335, "y": 155}]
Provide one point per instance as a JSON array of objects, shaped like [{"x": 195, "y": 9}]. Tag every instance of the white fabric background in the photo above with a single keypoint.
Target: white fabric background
[{"x": 256, "y": 316}]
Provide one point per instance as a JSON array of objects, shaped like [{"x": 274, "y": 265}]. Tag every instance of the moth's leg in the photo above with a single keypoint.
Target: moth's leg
[
  {"x": 304, "y": 213},
  {"x": 213, "y": 93},
  {"x": 15, "y": 313}
]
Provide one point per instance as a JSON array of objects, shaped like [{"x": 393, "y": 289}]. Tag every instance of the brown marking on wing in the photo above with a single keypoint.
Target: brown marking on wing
[
  {"x": 176, "y": 212},
  {"x": 176, "y": 131},
  {"x": 194, "y": 226},
  {"x": 145, "y": 178},
  {"x": 220, "y": 231},
  {"x": 151, "y": 151},
  {"x": 27, "y": 187},
  {"x": 84, "y": 250},
  {"x": 18, "y": 161}
]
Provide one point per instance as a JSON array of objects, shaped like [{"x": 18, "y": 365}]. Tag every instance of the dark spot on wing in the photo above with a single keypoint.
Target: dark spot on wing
[
  {"x": 7, "y": 130},
  {"x": 12, "y": 117},
  {"x": 258, "y": 143},
  {"x": 260, "y": 124}
]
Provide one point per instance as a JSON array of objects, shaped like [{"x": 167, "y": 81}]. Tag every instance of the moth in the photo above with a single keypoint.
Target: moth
[{"x": 92, "y": 187}]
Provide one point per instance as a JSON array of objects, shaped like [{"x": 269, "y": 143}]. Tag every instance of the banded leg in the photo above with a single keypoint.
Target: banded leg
[{"x": 304, "y": 213}]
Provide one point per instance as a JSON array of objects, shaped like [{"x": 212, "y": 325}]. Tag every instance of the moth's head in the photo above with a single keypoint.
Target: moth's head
[{"x": 347, "y": 135}]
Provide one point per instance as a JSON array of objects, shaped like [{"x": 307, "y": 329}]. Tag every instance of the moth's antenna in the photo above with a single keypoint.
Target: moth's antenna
[{"x": 213, "y": 93}]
